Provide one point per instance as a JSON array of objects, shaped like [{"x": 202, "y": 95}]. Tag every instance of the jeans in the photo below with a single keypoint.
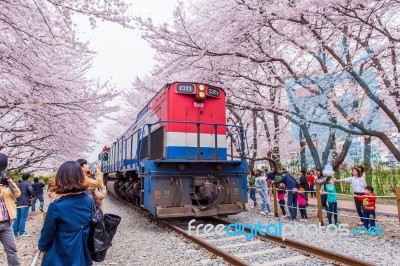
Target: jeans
[
  {"x": 282, "y": 205},
  {"x": 292, "y": 204},
  {"x": 303, "y": 211},
  {"x": 333, "y": 210},
  {"x": 41, "y": 200},
  {"x": 264, "y": 200},
  {"x": 19, "y": 223},
  {"x": 369, "y": 218},
  {"x": 324, "y": 202},
  {"x": 253, "y": 196},
  {"x": 8, "y": 240},
  {"x": 359, "y": 206}
]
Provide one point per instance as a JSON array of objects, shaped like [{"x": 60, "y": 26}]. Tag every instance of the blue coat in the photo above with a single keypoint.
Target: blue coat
[
  {"x": 65, "y": 232},
  {"x": 288, "y": 180}
]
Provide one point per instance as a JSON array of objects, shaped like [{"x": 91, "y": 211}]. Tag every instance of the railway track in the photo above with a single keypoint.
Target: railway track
[{"x": 273, "y": 250}]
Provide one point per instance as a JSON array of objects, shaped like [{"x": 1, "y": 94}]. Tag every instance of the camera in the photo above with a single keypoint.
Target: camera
[
  {"x": 3, "y": 167},
  {"x": 3, "y": 179}
]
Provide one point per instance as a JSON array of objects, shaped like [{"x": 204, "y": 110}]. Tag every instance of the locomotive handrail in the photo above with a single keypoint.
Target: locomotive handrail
[
  {"x": 242, "y": 132},
  {"x": 191, "y": 122}
]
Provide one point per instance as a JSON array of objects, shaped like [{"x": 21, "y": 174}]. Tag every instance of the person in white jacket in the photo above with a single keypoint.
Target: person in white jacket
[{"x": 262, "y": 190}]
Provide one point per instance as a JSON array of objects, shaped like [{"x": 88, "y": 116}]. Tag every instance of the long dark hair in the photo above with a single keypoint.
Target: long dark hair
[
  {"x": 358, "y": 171},
  {"x": 69, "y": 178}
]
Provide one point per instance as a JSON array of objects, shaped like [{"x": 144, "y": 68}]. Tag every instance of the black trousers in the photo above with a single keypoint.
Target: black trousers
[
  {"x": 303, "y": 211},
  {"x": 359, "y": 206},
  {"x": 324, "y": 201}
]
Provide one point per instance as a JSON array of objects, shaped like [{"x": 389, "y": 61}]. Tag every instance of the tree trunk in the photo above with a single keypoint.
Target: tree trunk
[
  {"x": 311, "y": 146},
  {"x": 303, "y": 159},
  {"x": 367, "y": 159},
  {"x": 338, "y": 160}
]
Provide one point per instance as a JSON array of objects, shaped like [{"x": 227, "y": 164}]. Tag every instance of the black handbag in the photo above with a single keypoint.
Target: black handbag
[
  {"x": 111, "y": 222},
  {"x": 102, "y": 231}
]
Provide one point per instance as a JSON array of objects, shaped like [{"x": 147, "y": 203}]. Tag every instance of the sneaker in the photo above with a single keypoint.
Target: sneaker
[
  {"x": 305, "y": 220},
  {"x": 263, "y": 212},
  {"x": 302, "y": 220},
  {"x": 331, "y": 227},
  {"x": 283, "y": 216},
  {"x": 41, "y": 209},
  {"x": 25, "y": 234}
]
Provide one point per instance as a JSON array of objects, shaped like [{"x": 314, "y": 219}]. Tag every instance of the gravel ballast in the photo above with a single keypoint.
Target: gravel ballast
[{"x": 140, "y": 241}]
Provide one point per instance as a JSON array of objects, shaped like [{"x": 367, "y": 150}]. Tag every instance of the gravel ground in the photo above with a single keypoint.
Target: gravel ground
[
  {"x": 377, "y": 250},
  {"x": 140, "y": 241}
]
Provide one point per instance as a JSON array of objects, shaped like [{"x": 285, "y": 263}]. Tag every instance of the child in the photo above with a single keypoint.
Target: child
[
  {"x": 332, "y": 200},
  {"x": 302, "y": 204},
  {"x": 281, "y": 198},
  {"x": 368, "y": 202}
]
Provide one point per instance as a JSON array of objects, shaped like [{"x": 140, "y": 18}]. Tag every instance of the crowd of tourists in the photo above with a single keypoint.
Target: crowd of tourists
[
  {"x": 64, "y": 238},
  {"x": 297, "y": 192}
]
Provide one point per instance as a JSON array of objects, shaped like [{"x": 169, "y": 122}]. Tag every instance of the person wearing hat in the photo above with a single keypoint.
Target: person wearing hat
[{"x": 9, "y": 191}]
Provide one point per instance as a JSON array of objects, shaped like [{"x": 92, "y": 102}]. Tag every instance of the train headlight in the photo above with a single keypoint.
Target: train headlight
[{"x": 201, "y": 95}]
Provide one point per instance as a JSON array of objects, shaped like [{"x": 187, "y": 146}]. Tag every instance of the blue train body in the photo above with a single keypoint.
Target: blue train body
[{"x": 173, "y": 161}]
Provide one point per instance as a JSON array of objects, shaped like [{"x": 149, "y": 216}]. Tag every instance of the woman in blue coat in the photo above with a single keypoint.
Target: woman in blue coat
[{"x": 65, "y": 232}]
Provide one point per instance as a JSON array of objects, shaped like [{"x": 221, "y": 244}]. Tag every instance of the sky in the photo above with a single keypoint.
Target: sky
[{"x": 122, "y": 54}]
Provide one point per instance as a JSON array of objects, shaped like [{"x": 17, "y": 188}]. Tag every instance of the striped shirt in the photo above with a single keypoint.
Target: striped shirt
[
  {"x": 3, "y": 210},
  {"x": 358, "y": 184}
]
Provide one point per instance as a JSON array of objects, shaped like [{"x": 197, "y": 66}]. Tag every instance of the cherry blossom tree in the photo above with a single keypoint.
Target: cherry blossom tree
[
  {"x": 311, "y": 55},
  {"x": 48, "y": 106}
]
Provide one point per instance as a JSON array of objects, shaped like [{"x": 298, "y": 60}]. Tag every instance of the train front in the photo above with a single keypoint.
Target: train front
[{"x": 192, "y": 164}]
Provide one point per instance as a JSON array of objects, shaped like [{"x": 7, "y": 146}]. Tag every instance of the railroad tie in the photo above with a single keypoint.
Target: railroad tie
[
  {"x": 258, "y": 253},
  {"x": 282, "y": 261},
  {"x": 225, "y": 239},
  {"x": 249, "y": 243}
]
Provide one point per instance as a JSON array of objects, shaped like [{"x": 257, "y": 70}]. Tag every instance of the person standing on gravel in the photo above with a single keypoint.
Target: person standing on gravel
[
  {"x": 251, "y": 178},
  {"x": 321, "y": 181},
  {"x": 262, "y": 190},
  {"x": 291, "y": 185},
  {"x": 38, "y": 189},
  {"x": 9, "y": 191},
  {"x": 23, "y": 204},
  {"x": 358, "y": 185},
  {"x": 65, "y": 232}
]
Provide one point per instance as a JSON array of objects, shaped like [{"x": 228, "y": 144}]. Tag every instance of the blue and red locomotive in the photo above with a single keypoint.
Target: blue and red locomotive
[{"x": 180, "y": 169}]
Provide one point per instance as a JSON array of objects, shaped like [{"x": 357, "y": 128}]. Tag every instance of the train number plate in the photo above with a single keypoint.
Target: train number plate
[{"x": 196, "y": 104}]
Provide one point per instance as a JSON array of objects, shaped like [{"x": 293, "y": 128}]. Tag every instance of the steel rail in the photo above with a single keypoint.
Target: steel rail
[
  {"x": 307, "y": 249},
  {"x": 327, "y": 255},
  {"x": 202, "y": 243}
]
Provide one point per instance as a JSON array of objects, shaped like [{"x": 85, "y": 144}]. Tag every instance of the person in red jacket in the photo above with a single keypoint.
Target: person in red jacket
[
  {"x": 311, "y": 183},
  {"x": 368, "y": 203}
]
